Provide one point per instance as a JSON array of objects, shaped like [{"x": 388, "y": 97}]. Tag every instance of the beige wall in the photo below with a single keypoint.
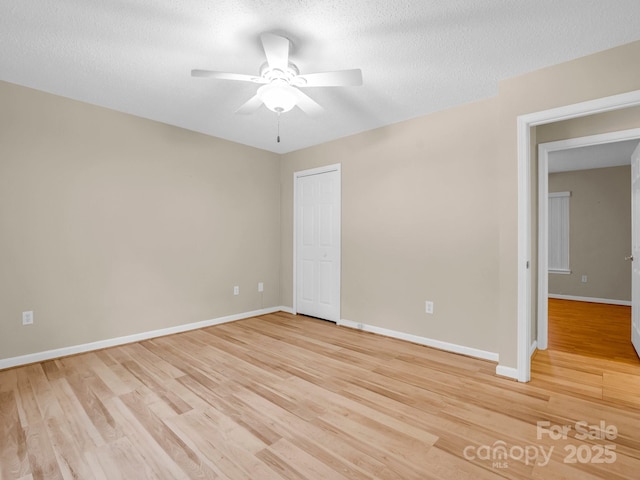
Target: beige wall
[
  {"x": 105, "y": 245},
  {"x": 430, "y": 208},
  {"x": 607, "y": 122},
  {"x": 600, "y": 233},
  {"x": 114, "y": 225},
  {"x": 603, "y": 74},
  {"x": 418, "y": 223}
]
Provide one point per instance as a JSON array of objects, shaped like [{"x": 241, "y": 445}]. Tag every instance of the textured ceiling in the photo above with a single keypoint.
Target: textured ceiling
[
  {"x": 595, "y": 156},
  {"x": 416, "y": 56}
]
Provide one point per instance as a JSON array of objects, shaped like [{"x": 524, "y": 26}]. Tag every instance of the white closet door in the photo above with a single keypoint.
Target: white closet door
[{"x": 317, "y": 207}]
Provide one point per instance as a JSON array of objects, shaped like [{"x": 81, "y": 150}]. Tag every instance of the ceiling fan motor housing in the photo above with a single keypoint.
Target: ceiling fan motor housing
[{"x": 288, "y": 75}]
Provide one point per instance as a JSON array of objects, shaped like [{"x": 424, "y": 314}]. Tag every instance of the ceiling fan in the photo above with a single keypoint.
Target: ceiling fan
[{"x": 281, "y": 80}]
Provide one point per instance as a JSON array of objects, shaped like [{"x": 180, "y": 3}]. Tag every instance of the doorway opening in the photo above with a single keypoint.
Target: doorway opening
[
  {"x": 575, "y": 163},
  {"x": 525, "y": 293}
]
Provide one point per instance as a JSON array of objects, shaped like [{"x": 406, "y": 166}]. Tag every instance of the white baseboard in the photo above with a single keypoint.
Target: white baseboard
[
  {"x": 429, "y": 342},
  {"x": 508, "y": 372},
  {"x": 113, "y": 342},
  {"x": 626, "y": 303},
  {"x": 533, "y": 348},
  {"x": 287, "y": 310}
]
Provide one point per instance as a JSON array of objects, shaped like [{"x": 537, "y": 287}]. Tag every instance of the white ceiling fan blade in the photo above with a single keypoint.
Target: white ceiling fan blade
[
  {"x": 276, "y": 49},
  {"x": 250, "y": 106},
  {"x": 341, "y": 78},
  {"x": 307, "y": 104},
  {"x": 227, "y": 76}
]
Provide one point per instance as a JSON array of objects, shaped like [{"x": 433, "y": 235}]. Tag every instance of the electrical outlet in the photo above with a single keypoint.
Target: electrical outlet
[
  {"x": 260, "y": 287},
  {"x": 27, "y": 318},
  {"x": 584, "y": 279},
  {"x": 429, "y": 307},
  {"x": 236, "y": 290}
]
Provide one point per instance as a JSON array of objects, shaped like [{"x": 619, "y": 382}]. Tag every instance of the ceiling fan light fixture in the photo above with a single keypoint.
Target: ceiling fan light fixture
[{"x": 278, "y": 97}]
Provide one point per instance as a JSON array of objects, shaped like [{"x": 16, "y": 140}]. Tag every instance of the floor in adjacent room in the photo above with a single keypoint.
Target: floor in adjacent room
[{"x": 590, "y": 352}]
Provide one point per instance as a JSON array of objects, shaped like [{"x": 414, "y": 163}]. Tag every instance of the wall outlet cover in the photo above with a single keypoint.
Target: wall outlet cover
[
  {"x": 27, "y": 318},
  {"x": 429, "y": 307}
]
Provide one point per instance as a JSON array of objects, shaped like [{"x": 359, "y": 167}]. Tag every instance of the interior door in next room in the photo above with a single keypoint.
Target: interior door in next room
[
  {"x": 318, "y": 243},
  {"x": 635, "y": 249}
]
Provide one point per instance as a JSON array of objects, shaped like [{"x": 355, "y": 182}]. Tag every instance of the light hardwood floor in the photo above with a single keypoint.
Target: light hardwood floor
[
  {"x": 592, "y": 329},
  {"x": 284, "y": 397},
  {"x": 590, "y": 353}
]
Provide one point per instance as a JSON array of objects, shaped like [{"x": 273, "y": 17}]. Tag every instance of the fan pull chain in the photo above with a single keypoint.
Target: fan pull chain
[{"x": 278, "y": 127}]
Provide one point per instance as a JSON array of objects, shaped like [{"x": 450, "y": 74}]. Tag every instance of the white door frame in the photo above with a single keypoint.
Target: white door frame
[
  {"x": 544, "y": 149},
  {"x": 524, "y": 124},
  {"x": 635, "y": 250},
  {"x": 336, "y": 167}
]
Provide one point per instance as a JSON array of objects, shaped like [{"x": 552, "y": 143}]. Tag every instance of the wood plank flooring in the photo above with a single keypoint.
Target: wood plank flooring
[
  {"x": 286, "y": 397},
  {"x": 590, "y": 353},
  {"x": 592, "y": 329}
]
